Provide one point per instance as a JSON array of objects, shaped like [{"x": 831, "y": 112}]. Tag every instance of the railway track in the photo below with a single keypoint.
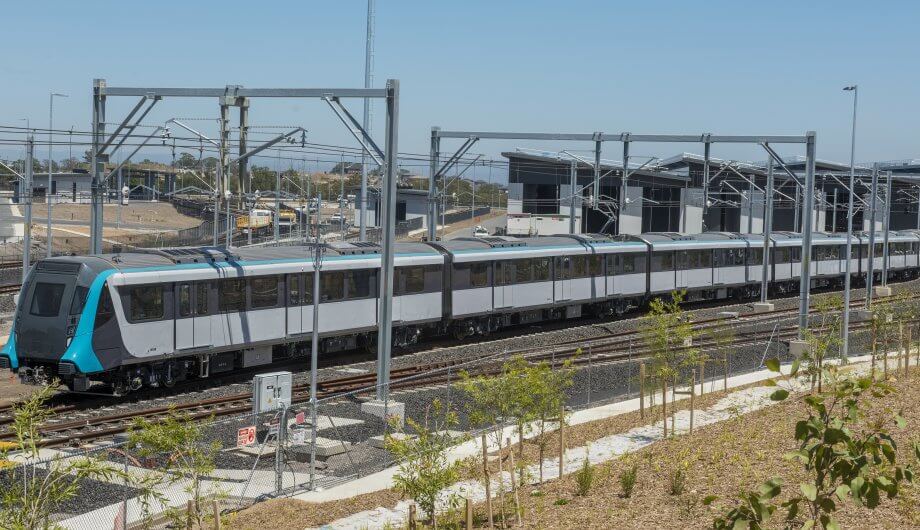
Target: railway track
[
  {"x": 611, "y": 347},
  {"x": 10, "y": 289}
]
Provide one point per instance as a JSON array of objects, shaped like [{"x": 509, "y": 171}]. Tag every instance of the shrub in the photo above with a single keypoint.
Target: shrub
[
  {"x": 584, "y": 479},
  {"x": 628, "y": 479},
  {"x": 678, "y": 480}
]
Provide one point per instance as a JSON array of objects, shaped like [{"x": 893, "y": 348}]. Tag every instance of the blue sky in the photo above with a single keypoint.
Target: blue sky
[{"x": 579, "y": 66}]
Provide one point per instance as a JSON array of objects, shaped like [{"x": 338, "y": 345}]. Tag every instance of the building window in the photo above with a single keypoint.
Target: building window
[{"x": 146, "y": 303}]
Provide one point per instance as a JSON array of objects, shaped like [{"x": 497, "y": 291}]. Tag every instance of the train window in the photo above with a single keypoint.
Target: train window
[
  {"x": 613, "y": 264},
  {"x": 704, "y": 258},
  {"x": 756, "y": 256},
  {"x": 105, "y": 311},
  {"x": 79, "y": 299},
  {"x": 359, "y": 283},
  {"x": 409, "y": 280},
  {"x": 332, "y": 286},
  {"x": 796, "y": 254},
  {"x": 232, "y": 294},
  {"x": 306, "y": 284},
  {"x": 595, "y": 265},
  {"x": 479, "y": 274},
  {"x": 46, "y": 299},
  {"x": 185, "y": 299},
  {"x": 541, "y": 270},
  {"x": 202, "y": 293},
  {"x": 500, "y": 268},
  {"x": 146, "y": 303},
  {"x": 662, "y": 261},
  {"x": 523, "y": 270},
  {"x": 263, "y": 292},
  {"x": 293, "y": 283},
  {"x": 579, "y": 266}
]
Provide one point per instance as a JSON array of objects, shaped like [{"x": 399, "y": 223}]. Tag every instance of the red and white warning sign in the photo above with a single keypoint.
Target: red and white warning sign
[
  {"x": 246, "y": 436},
  {"x": 300, "y": 418}
]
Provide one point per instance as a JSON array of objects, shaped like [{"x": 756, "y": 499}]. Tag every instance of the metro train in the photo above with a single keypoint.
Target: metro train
[{"x": 152, "y": 318}]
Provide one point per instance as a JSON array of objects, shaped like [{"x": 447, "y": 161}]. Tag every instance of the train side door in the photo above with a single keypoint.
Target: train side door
[
  {"x": 508, "y": 273},
  {"x": 185, "y": 320},
  {"x": 563, "y": 266},
  {"x": 294, "y": 305},
  {"x": 202, "y": 311},
  {"x": 498, "y": 289}
]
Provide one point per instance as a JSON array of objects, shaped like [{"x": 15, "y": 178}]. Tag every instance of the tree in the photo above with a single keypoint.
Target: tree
[
  {"x": 424, "y": 468},
  {"x": 32, "y": 493},
  {"x": 668, "y": 334},
  {"x": 181, "y": 442},
  {"x": 548, "y": 387},
  {"x": 187, "y": 161},
  {"x": 845, "y": 455},
  {"x": 823, "y": 337}
]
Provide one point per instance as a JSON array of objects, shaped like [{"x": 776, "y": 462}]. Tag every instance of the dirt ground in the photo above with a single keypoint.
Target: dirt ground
[
  {"x": 721, "y": 459},
  {"x": 153, "y": 214},
  {"x": 10, "y": 389}
]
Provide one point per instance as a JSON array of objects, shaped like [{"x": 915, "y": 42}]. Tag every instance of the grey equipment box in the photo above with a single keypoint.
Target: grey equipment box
[{"x": 271, "y": 391}]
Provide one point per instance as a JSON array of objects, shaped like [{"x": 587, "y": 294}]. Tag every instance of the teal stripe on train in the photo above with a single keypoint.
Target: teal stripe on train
[{"x": 80, "y": 351}]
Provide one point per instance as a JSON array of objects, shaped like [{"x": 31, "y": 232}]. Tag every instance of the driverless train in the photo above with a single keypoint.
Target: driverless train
[{"x": 152, "y": 318}]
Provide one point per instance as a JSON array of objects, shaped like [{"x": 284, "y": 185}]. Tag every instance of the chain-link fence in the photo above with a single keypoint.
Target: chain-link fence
[{"x": 231, "y": 462}]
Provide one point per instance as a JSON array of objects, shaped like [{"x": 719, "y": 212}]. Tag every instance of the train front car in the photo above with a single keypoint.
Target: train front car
[{"x": 52, "y": 331}]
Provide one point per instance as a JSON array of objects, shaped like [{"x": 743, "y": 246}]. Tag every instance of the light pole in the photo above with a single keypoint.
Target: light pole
[
  {"x": 50, "y": 138},
  {"x": 845, "y": 328},
  {"x": 228, "y": 195}
]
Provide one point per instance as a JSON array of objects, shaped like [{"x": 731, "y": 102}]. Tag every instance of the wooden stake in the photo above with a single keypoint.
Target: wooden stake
[
  {"x": 885, "y": 361},
  {"x": 692, "y": 392},
  {"x": 469, "y": 514},
  {"x": 725, "y": 375},
  {"x": 189, "y": 511},
  {"x": 561, "y": 440},
  {"x": 664, "y": 405},
  {"x": 514, "y": 489},
  {"x": 910, "y": 340},
  {"x": 900, "y": 343},
  {"x": 702, "y": 377},
  {"x": 488, "y": 481},
  {"x": 216, "y": 507},
  {"x": 642, "y": 390},
  {"x": 413, "y": 524},
  {"x": 874, "y": 349}
]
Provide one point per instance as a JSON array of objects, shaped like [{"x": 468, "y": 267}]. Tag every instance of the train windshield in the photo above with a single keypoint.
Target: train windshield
[{"x": 46, "y": 299}]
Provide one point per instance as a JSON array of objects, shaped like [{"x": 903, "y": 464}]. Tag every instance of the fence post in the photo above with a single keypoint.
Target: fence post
[
  {"x": 642, "y": 390},
  {"x": 216, "y": 507},
  {"x": 488, "y": 481},
  {"x": 590, "y": 376},
  {"x": 725, "y": 375},
  {"x": 900, "y": 343}
]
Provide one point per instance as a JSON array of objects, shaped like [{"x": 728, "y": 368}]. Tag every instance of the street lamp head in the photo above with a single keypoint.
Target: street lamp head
[
  {"x": 851, "y": 87},
  {"x": 58, "y": 94}
]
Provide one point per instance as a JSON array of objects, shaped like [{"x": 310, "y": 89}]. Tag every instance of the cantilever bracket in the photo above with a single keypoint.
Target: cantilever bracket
[{"x": 355, "y": 129}]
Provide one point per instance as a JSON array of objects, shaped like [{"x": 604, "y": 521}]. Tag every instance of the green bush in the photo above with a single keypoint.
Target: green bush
[
  {"x": 584, "y": 479},
  {"x": 678, "y": 480},
  {"x": 628, "y": 479}
]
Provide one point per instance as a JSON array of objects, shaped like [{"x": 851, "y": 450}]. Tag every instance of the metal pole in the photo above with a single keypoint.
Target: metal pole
[
  {"x": 97, "y": 161},
  {"x": 433, "y": 185},
  {"x": 797, "y": 214},
  {"x": 885, "y": 228},
  {"x": 242, "y": 164},
  {"x": 473, "y": 206},
  {"x": 573, "y": 178},
  {"x": 834, "y": 213},
  {"x": 342, "y": 201},
  {"x": 624, "y": 176},
  {"x": 750, "y": 199},
  {"x": 228, "y": 195},
  {"x": 706, "y": 148},
  {"x": 388, "y": 234},
  {"x": 277, "y": 217},
  {"x": 366, "y": 119},
  {"x": 845, "y": 327},
  {"x": 120, "y": 198},
  {"x": 26, "y": 197},
  {"x": 806, "y": 233},
  {"x": 314, "y": 345},
  {"x": 48, "y": 234},
  {"x": 224, "y": 165},
  {"x": 597, "y": 174},
  {"x": 870, "y": 275},
  {"x": 767, "y": 230}
]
